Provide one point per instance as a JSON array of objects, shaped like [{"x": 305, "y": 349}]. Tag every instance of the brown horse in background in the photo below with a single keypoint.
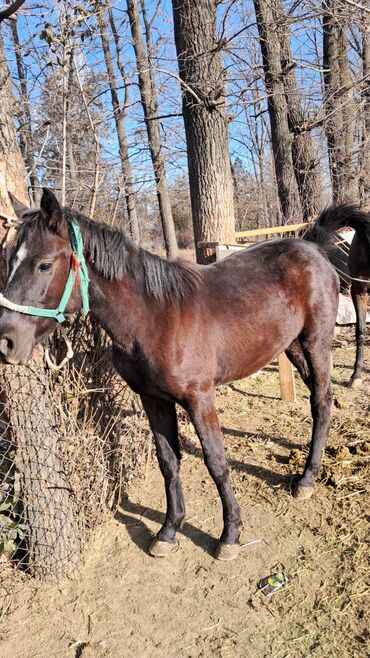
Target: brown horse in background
[
  {"x": 323, "y": 232},
  {"x": 179, "y": 330}
]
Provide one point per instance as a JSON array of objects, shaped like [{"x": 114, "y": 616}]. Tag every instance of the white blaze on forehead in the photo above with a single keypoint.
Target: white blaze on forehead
[{"x": 19, "y": 257}]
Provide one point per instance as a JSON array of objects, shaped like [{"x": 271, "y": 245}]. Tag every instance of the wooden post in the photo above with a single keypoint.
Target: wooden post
[{"x": 286, "y": 378}]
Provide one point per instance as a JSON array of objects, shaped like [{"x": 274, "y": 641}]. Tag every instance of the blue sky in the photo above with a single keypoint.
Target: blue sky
[{"x": 241, "y": 66}]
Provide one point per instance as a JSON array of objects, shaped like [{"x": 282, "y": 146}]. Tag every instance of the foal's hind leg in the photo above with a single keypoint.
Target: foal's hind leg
[
  {"x": 359, "y": 298},
  {"x": 296, "y": 357},
  {"x": 204, "y": 417},
  {"x": 316, "y": 350},
  {"x": 163, "y": 422}
]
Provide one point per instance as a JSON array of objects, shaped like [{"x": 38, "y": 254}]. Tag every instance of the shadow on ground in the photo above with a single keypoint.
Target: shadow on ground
[{"x": 132, "y": 517}]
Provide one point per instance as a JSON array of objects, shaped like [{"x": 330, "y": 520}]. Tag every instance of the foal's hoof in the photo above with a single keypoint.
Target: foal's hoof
[
  {"x": 355, "y": 383},
  {"x": 160, "y": 548},
  {"x": 301, "y": 491},
  {"x": 227, "y": 552}
]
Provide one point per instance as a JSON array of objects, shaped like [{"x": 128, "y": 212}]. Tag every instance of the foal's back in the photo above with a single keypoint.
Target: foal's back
[
  {"x": 258, "y": 301},
  {"x": 247, "y": 309}
]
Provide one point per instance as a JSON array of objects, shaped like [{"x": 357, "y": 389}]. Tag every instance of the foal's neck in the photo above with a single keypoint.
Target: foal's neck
[
  {"x": 130, "y": 286},
  {"x": 120, "y": 307}
]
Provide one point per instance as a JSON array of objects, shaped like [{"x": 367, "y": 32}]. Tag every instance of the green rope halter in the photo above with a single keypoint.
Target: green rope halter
[{"x": 77, "y": 273}]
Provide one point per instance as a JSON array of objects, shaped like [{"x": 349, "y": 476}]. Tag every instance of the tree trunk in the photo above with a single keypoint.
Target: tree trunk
[
  {"x": 281, "y": 135},
  {"x": 119, "y": 116},
  {"x": 149, "y": 101},
  {"x": 12, "y": 170},
  {"x": 70, "y": 158},
  {"x": 53, "y": 546},
  {"x": 51, "y": 531},
  {"x": 25, "y": 130},
  {"x": 364, "y": 178},
  {"x": 339, "y": 123},
  {"x": 206, "y": 122},
  {"x": 305, "y": 164},
  {"x": 95, "y": 135}
]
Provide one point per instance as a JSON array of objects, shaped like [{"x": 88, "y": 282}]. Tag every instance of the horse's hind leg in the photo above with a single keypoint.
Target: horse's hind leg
[
  {"x": 296, "y": 357},
  {"x": 163, "y": 422},
  {"x": 359, "y": 298},
  {"x": 316, "y": 350},
  {"x": 204, "y": 417}
]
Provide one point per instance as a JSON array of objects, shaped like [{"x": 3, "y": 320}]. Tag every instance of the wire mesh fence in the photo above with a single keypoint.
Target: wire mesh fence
[{"x": 70, "y": 443}]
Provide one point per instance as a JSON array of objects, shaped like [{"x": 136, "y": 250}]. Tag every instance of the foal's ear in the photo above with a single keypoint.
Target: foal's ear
[
  {"x": 19, "y": 207},
  {"x": 53, "y": 212}
]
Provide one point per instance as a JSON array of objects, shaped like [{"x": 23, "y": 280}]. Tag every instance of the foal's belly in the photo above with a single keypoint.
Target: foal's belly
[
  {"x": 243, "y": 354},
  {"x": 174, "y": 369}
]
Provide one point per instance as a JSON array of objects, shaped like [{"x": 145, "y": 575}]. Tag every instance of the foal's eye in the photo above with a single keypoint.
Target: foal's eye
[{"x": 45, "y": 267}]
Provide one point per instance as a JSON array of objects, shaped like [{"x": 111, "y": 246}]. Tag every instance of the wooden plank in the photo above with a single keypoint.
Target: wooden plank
[
  {"x": 254, "y": 233},
  {"x": 270, "y": 231},
  {"x": 286, "y": 378}
]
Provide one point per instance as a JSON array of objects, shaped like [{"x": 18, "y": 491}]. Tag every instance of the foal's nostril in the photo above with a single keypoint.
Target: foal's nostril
[{"x": 6, "y": 345}]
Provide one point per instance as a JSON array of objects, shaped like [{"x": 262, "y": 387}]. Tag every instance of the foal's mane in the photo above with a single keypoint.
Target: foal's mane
[{"x": 113, "y": 254}]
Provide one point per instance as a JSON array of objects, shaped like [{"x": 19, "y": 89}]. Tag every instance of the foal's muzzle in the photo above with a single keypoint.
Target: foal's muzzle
[
  {"x": 16, "y": 339},
  {"x": 7, "y": 350}
]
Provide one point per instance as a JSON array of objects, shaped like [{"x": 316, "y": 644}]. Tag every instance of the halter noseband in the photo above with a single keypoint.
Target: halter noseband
[{"x": 77, "y": 273}]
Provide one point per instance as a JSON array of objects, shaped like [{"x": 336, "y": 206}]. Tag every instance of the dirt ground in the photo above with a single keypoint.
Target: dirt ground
[{"x": 126, "y": 604}]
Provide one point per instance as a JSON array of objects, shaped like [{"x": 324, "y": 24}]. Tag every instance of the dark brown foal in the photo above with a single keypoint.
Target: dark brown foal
[{"x": 179, "y": 330}]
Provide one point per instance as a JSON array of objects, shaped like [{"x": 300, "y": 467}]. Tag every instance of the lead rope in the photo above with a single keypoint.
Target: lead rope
[
  {"x": 344, "y": 274},
  {"x": 51, "y": 360}
]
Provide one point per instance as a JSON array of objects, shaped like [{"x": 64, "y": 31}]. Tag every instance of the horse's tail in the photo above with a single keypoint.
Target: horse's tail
[{"x": 334, "y": 218}]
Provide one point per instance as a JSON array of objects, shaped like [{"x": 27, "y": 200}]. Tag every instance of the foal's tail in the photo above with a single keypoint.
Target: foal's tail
[{"x": 334, "y": 218}]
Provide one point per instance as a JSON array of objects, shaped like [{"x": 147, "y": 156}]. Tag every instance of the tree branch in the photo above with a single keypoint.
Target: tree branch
[{"x": 9, "y": 11}]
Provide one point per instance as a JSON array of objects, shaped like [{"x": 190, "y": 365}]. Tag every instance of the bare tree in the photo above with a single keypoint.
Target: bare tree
[
  {"x": 304, "y": 161},
  {"x": 281, "y": 135},
  {"x": 364, "y": 176},
  {"x": 10, "y": 11},
  {"x": 25, "y": 129},
  {"x": 119, "y": 114},
  {"x": 12, "y": 170},
  {"x": 339, "y": 109},
  {"x": 206, "y": 122},
  {"x": 149, "y": 101}
]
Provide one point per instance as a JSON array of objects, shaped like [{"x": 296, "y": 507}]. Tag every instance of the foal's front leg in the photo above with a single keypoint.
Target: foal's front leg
[
  {"x": 163, "y": 422},
  {"x": 204, "y": 417}
]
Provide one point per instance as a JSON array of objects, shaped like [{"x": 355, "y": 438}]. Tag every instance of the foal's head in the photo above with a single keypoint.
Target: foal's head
[{"x": 38, "y": 267}]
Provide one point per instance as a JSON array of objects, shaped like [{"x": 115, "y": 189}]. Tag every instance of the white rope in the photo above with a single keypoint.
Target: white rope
[
  {"x": 346, "y": 253},
  {"x": 352, "y": 278},
  {"x": 10, "y": 219},
  {"x": 12, "y": 306},
  {"x": 50, "y": 360}
]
